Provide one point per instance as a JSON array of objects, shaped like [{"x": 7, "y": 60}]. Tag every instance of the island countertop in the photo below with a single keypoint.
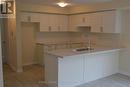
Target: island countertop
[
  {"x": 69, "y": 68},
  {"x": 71, "y": 52}
]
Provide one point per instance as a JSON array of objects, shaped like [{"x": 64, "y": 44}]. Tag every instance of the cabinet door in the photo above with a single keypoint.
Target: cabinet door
[
  {"x": 35, "y": 17},
  {"x": 25, "y": 17},
  {"x": 81, "y": 20},
  {"x": 39, "y": 54},
  {"x": 44, "y": 22},
  {"x": 72, "y": 25},
  {"x": 94, "y": 20},
  {"x": 100, "y": 65},
  {"x": 30, "y": 17},
  {"x": 109, "y": 21},
  {"x": 63, "y": 22},
  {"x": 75, "y": 21},
  {"x": 70, "y": 70},
  {"x": 53, "y": 22}
]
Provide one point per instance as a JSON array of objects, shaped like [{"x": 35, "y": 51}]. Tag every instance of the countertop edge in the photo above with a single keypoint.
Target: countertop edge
[{"x": 91, "y": 53}]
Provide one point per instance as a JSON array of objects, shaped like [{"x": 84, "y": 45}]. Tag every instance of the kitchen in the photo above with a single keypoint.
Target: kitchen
[{"x": 86, "y": 35}]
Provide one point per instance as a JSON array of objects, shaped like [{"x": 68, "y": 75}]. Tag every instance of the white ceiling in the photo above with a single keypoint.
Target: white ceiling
[{"x": 73, "y": 2}]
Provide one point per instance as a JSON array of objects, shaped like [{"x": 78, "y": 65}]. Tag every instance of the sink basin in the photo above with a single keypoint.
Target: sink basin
[{"x": 84, "y": 49}]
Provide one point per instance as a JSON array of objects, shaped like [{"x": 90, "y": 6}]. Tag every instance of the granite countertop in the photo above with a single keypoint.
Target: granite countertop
[{"x": 71, "y": 52}]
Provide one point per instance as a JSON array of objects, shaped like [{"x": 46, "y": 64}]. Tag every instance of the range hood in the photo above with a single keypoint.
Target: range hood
[{"x": 84, "y": 28}]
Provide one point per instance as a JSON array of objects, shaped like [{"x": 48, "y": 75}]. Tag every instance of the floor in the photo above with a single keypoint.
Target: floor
[
  {"x": 31, "y": 77},
  {"x": 116, "y": 80}
]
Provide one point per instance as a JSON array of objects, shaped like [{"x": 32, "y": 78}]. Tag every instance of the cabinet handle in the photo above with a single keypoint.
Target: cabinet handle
[
  {"x": 29, "y": 19},
  {"x": 101, "y": 29},
  {"x": 49, "y": 28}
]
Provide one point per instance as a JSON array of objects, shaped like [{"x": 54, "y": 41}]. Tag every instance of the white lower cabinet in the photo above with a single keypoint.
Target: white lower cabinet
[
  {"x": 72, "y": 71},
  {"x": 100, "y": 65},
  {"x": 39, "y": 54}
]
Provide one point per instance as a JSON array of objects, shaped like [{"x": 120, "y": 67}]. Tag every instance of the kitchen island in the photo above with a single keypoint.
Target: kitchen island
[{"x": 70, "y": 68}]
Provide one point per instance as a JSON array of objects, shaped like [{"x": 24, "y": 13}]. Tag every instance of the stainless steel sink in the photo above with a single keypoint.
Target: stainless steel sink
[{"x": 84, "y": 49}]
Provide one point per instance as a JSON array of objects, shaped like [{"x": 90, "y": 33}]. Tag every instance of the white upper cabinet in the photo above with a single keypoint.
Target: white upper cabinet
[
  {"x": 104, "y": 22},
  {"x": 72, "y": 23},
  {"x": 44, "y": 22},
  {"x": 80, "y": 20},
  {"x": 48, "y": 22},
  {"x": 53, "y": 22},
  {"x": 111, "y": 21},
  {"x": 94, "y": 20},
  {"x": 77, "y": 20},
  {"x": 30, "y": 17},
  {"x": 63, "y": 22},
  {"x": 108, "y": 24},
  {"x": 100, "y": 22}
]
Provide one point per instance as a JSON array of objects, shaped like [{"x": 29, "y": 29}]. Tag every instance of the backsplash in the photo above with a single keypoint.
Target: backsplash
[
  {"x": 100, "y": 39},
  {"x": 51, "y": 37},
  {"x": 97, "y": 39}
]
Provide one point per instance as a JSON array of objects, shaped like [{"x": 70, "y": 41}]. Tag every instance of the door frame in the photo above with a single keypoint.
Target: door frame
[{"x": 1, "y": 65}]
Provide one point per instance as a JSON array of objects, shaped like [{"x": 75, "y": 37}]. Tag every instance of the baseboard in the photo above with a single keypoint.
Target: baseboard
[
  {"x": 12, "y": 67},
  {"x": 124, "y": 73}
]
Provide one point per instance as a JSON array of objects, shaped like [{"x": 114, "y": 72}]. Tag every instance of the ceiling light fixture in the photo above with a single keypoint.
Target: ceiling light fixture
[
  {"x": 62, "y": 4},
  {"x": 2, "y": 1}
]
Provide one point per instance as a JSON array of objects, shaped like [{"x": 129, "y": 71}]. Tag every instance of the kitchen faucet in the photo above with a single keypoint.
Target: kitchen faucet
[{"x": 89, "y": 44}]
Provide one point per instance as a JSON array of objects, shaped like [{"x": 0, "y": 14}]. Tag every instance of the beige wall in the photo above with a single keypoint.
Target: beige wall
[
  {"x": 125, "y": 40},
  {"x": 28, "y": 43},
  {"x": 11, "y": 41},
  {"x": 11, "y": 38},
  {"x": 10, "y": 26}
]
